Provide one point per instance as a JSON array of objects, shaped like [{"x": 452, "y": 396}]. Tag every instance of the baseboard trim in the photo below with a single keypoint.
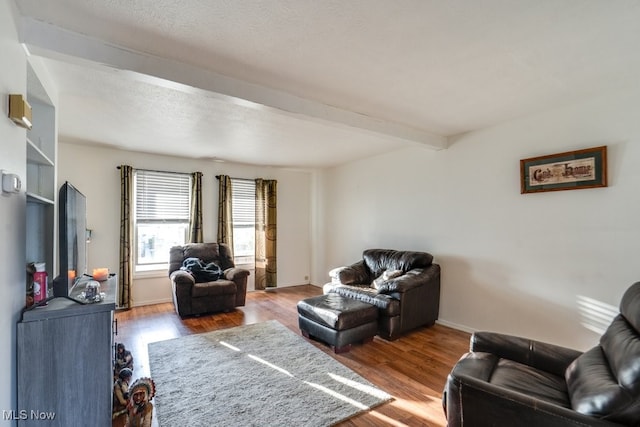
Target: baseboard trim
[
  {"x": 452, "y": 325},
  {"x": 151, "y": 302}
]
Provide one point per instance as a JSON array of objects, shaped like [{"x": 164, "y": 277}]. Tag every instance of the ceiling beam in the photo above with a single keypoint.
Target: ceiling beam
[{"x": 44, "y": 39}]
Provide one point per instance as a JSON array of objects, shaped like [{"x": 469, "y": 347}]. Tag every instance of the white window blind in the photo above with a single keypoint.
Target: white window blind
[
  {"x": 243, "y": 212},
  {"x": 162, "y": 196},
  {"x": 161, "y": 215},
  {"x": 243, "y": 206}
]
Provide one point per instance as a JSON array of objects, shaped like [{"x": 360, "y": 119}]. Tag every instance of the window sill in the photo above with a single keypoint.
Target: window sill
[
  {"x": 247, "y": 266},
  {"x": 150, "y": 273}
]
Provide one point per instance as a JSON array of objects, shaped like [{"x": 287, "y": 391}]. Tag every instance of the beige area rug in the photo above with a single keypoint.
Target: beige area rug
[{"x": 254, "y": 375}]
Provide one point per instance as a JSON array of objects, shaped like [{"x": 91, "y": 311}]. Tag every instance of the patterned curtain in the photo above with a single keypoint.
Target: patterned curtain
[
  {"x": 225, "y": 219},
  {"x": 266, "y": 230},
  {"x": 125, "y": 273},
  {"x": 195, "y": 220}
]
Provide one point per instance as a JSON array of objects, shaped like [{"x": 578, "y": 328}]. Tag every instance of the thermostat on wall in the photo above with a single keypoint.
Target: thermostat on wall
[{"x": 11, "y": 182}]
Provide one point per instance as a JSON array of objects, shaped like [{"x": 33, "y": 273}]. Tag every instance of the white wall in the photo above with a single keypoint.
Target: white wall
[
  {"x": 93, "y": 171},
  {"x": 525, "y": 264},
  {"x": 13, "y": 79}
]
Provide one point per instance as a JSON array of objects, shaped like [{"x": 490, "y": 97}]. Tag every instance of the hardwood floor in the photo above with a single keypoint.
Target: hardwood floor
[{"x": 413, "y": 368}]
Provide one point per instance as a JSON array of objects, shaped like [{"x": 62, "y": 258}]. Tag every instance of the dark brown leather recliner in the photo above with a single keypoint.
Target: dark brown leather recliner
[
  {"x": 404, "y": 285},
  {"x": 192, "y": 296},
  {"x": 512, "y": 381}
]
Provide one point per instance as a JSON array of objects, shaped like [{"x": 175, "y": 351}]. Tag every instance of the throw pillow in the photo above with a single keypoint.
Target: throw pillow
[{"x": 386, "y": 275}]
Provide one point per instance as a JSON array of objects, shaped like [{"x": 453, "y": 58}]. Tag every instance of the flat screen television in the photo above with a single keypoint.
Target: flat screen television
[{"x": 72, "y": 253}]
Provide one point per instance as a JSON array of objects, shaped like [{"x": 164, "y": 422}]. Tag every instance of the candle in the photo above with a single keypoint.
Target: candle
[{"x": 100, "y": 274}]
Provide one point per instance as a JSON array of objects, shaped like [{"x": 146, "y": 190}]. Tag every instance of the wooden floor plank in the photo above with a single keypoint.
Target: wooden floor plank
[{"x": 413, "y": 368}]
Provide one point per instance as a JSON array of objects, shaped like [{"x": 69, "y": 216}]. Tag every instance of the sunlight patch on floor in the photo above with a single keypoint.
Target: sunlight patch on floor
[
  {"x": 416, "y": 409},
  {"x": 337, "y": 395},
  {"x": 269, "y": 364},
  {"x": 359, "y": 386},
  {"x": 226, "y": 344},
  {"x": 160, "y": 335}
]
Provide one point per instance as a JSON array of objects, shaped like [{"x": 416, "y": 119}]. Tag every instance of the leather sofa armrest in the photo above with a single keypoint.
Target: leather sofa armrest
[
  {"x": 470, "y": 397},
  {"x": 410, "y": 280},
  {"x": 356, "y": 273},
  {"x": 540, "y": 355},
  {"x": 234, "y": 274},
  {"x": 181, "y": 277}
]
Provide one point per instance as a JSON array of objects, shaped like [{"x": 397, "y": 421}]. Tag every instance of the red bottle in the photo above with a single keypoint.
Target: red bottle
[{"x": 40, "y": 283}]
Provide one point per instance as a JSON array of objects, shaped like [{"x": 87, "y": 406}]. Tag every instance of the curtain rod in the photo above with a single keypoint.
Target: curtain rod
[
  {"x": 155, "y": 170},
  {"x": 239, "y": 179}
]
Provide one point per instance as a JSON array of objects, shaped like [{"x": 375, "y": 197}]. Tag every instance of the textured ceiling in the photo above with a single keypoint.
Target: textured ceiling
[{"x": 317, "y": 83}]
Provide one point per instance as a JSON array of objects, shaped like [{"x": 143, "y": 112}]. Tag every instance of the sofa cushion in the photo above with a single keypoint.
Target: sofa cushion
[
  {"x": 207, "y": 252},
  {"x": 621, "y": 347},
  {"x": 379, "y": 260},
  {"x": 513, "y": 376},
  {"x": 386, "y": 275},
  {"x": 531, "y": 381},
  {"x": 630, "y": 306},
  {"x": 356, "y": 273},
  {"x": 594, "y": 390},
  {"x": 219, "y": 287}
]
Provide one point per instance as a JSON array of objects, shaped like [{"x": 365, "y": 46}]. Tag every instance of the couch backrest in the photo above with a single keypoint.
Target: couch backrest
[
  {"x": 379, "y": 260},
  {"x": 218, "y": 253},
  {"x": 605, "y": 381}
]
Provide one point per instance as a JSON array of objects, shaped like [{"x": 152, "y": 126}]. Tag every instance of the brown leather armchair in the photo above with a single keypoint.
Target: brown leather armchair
[
  {"x": 192, "y": 296},
  {"x": 506, "y": 380},
  {"x": 404, "y": 285}
]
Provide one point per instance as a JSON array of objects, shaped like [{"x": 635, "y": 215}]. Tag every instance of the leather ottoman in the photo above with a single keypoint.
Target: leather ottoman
[{"x": 339, "y": 321}]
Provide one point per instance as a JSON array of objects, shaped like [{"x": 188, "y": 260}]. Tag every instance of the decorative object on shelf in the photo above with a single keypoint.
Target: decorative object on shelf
[
  {"x": 571, "y": 170},
  {"x": 40, "y": 283},
  {"x": 100, "y": 274},
  {"x": 20, "y": 111},
  {"x": 92, "y": 292},
  {"x": 31, "y": 269}
]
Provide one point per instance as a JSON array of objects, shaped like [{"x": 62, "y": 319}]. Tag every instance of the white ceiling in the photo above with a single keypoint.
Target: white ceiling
[{"x": 307, "y": 83}]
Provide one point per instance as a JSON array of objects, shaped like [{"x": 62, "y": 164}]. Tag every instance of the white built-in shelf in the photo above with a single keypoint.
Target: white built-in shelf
[
  {"x": 35, "y": 155},
  {"x": 39, "y": 182},
  {"x": 36, "y": 198}
]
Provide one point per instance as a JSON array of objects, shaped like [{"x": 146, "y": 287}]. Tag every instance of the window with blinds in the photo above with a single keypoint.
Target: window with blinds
[
  {"x": 243, "y": 211},
  {"x": 161, "y": 215}
]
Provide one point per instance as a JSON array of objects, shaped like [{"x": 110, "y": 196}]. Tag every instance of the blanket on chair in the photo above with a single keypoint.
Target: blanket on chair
[{"x": 200, "y": 271}]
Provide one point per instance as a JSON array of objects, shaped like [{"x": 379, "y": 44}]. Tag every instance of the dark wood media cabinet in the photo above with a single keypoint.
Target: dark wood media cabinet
[{"x": 65, "y": 361}]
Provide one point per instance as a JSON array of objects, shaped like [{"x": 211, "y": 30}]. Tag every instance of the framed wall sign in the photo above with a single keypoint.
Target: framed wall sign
[{"x": 572, "y": 170}]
